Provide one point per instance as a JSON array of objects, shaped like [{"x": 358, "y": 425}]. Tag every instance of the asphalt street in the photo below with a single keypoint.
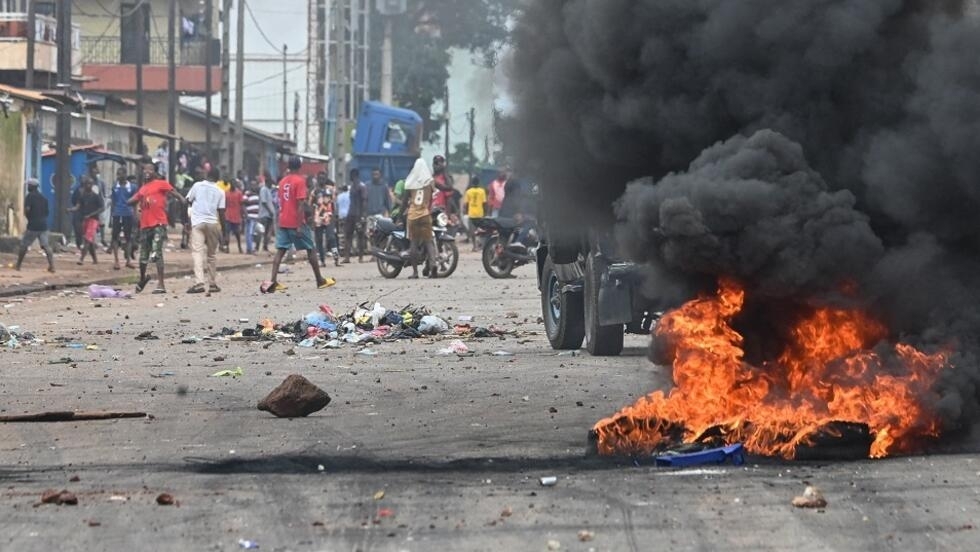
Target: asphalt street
[{"x": 417, "y": 452}]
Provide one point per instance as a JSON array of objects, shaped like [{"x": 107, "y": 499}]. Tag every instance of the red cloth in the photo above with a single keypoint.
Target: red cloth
[
  {"x": 89, "y": 228},
  {"x": 233, "y": 206},
  {"x": 153, "y": 203},
  {"x": 292, "y": 192}
]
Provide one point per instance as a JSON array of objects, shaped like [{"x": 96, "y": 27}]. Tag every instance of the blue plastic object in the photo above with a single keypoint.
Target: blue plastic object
[{"x": 708, "y": 456}]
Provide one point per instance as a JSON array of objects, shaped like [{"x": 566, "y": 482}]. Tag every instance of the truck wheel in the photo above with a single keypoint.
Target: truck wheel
[
  {"x": 561, "y": 310},
  {"x": 599, "y": 340}
]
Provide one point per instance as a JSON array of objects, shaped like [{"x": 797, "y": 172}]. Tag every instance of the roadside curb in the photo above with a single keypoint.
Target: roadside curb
[{"x": 13, "y": 291}]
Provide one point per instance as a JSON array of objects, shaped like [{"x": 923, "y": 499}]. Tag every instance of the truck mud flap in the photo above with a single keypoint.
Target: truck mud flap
[{"x": 615, "y": 302}]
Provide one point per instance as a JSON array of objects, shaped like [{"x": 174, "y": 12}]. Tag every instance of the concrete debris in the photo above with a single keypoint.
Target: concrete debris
[
  {"x": 296, "y": 397},
  {"x": 166, "y": 499},
  {"x": 51, "y": 496}
]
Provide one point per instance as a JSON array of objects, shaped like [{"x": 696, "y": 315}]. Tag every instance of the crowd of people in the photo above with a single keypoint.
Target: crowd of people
[{"x": 216, "y": 212}]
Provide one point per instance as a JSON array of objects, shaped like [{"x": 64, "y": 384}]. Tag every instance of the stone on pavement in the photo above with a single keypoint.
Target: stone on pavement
[{"x": 296, "y": 397}]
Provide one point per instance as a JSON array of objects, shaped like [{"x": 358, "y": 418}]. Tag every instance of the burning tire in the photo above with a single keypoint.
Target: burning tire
[
  {"x": 599, "y": 340},
  {"x": 561, "y": 310}
]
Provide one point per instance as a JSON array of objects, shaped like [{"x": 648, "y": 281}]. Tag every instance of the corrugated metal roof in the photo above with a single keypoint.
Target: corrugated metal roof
[{"x": 28, "y": 95}]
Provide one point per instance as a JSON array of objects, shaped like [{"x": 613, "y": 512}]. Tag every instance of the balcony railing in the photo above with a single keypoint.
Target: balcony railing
[
  {"x": 109, "y": 50},
  {"x": 14, "y": 32}
]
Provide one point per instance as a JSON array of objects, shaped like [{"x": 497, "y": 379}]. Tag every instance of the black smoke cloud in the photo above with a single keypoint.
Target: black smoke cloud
[{"x": 793, "y": 143}]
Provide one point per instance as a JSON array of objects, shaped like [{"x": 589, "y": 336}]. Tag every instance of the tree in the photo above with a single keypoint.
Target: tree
[
  {"x": 462, "y": 158},
  {"x": 423, "y": 38}
]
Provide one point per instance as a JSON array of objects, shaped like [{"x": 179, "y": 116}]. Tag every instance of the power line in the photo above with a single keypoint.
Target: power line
[{"x": 257, "y": 26}]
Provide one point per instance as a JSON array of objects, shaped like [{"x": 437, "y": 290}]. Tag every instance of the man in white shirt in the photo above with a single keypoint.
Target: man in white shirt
[{"x": 207, "y": 216}]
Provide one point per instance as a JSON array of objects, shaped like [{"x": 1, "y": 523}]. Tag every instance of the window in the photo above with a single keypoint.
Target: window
[
  {"x": 396, "y": 134},
  {"x": 135, "y": 33},
  {"x": 13, "y": 6},
  {"x": 44, "y": 8}
]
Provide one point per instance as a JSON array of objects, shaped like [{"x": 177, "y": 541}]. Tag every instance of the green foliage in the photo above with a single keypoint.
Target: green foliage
[
  {"x": 462, "y": 158},
  {"x": 422, "y": 39}
]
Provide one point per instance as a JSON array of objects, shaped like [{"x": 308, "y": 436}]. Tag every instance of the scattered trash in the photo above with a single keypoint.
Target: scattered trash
[
  {"x": 236, "y": 373},
  {"x": 554, "y": 545},
  {"x": 117, "y": 498},
  {"x": 456, "y": 347},
  {"x": 91, "y": 347},
  {"x": 502, "y": 354},
  {"x": 585, "y": 535},
  {"x": 146, "y": 336},
  {"x": 192, "y": 340},
  {"x": 95, "y": 291},
  {"x": 74, "y": 346},
  {"x": 432, "y": 325},
  {"x": 247, "y": 544},
  {"x": 465, "y": 318},
  {"x": 166, "y": 499},
  {"x": 159, "y": 305},
  {"x": 295, "y": 397},
  {"x": 811, "y": 498},
  {"x": 682, "y": 458},
  {"x": 512, "y": 315},
  {"x": 379, "y": 495},
  {"x": 51, "y": 496},
  {"x": 163, "y": 375},
  {"x": 243, "y": 320},
  {"x": 507, "y": 512},
  {"x": 367, "y": 352},
  {"x": 548, "y": 481}
]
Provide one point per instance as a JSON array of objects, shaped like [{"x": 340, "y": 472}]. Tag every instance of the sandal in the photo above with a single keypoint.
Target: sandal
[
  {"x": 213, "y": 288},
  {"x": 159, "y": 291},
  {"x": 273, "y": 287},
  {"x": 326, "y": 283},
  {"x": 141, "y": 285},
  {"x": 196, "y": 288}
]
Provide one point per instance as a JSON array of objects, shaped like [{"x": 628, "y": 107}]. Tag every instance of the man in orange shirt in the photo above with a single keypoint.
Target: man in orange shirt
[{"x": 152, "y": 199}]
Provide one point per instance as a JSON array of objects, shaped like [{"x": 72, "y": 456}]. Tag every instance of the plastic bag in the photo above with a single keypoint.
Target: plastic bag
[
  {"x": 95, "y": 291},
  {"x": 432, "y": 325}
]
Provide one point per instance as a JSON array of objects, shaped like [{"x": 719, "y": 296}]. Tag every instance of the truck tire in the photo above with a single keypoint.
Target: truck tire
[
  {"x": 564, "y": 321},
  {"x": 599, "y": 340}
]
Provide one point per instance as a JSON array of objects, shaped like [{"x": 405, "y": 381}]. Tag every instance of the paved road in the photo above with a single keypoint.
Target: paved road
[{"x": 456, "y": 445}]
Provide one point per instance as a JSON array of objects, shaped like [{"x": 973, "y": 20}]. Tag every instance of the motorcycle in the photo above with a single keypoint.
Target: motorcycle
[
  {"x": 502, "y": 251},
  {"x": 392, "y": 249}
]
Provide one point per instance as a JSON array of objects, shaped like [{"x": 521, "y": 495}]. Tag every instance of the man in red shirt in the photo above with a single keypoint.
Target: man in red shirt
[
  {"x": 152, "y": 199},
  {"x": 295, "y": 214},
  {"x": 233, "y": 215}
]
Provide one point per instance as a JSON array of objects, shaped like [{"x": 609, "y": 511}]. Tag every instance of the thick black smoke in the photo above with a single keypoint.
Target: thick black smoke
[{"x": 796, "y": 144}]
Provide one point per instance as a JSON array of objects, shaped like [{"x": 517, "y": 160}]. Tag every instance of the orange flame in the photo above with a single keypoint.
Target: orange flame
[{"x": 825, "y": 374}]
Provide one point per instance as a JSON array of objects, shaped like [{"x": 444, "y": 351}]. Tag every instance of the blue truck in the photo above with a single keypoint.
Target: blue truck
[{"x": 387, "y": 138}]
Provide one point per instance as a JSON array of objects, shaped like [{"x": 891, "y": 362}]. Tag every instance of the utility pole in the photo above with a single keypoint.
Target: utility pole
[
  {"x": 208, "y": 62},
  {"x": 285, "y": 93},
  {"x": 240, "y": 91},
  {"x": 141, "y": 43},
  {"x": 446, "y": 114},
  {"x": 225, "y": 83},
  {"x": 171, "y": 88},
  {"x": 296, "y": 118},
  {"x": 387, "y": 94},
  {"x": 31, "y": 41},
  {"x": 63, "y": 174},
  {"x": 472, "y": 161}
]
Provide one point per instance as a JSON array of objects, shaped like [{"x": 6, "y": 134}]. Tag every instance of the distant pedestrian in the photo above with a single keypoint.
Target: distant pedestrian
[
  {"x": 152, "y": 199},
  {"x": 207, "y": 216},
  {"x": 475, "y": 206},
  {"x": 444, "y": 190},
  {"x": 267, "y": 210},
  {"x": 497, "y": 192},
  {"x": 36, "y": 212},
  {"x": 354, "y": 223},
  {"x": 90, "y": 206},
  {"x": 378, "y": 196},
  {"x": 295, "y": 216},
  {"x": 326, "y": 224},
  {"x": 250, "y": 204},
  {"x": 234, "y": 210},
  {"x": 121, "y": 219}
]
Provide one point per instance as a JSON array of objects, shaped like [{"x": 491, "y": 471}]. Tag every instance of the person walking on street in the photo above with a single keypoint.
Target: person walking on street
[
  {"x": 267, "y": 211},
  {"x": 36, "y": 212},
  {"x": 497, "y": 192},
  {"x": 76, "y": 215},
  {"x": 378, "y": 196},
  {"x": 354, "y": 223},
  {"x": 475, "y": 206},
  {"x": 207, "y": 216},
  {"x": 295, "y": 216},
  {"x": 121, "y": 220},
  {"x": 152, "y": 199},
  {"x": 233, "y": 215},
  {"x": 250, "y": 204},
  {"x": 326, "y": 229},
  {"x": 90, "y": 206},
  {"x": 419, "y": 190}
]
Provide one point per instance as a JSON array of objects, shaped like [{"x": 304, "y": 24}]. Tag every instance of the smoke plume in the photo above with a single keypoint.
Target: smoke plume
[{"x": 795, "y": 144}]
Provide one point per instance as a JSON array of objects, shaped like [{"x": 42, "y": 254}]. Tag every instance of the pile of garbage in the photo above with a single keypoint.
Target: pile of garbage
[
  {"x": 12, "y": 338},
  {"x": 324, "y": 329}
]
